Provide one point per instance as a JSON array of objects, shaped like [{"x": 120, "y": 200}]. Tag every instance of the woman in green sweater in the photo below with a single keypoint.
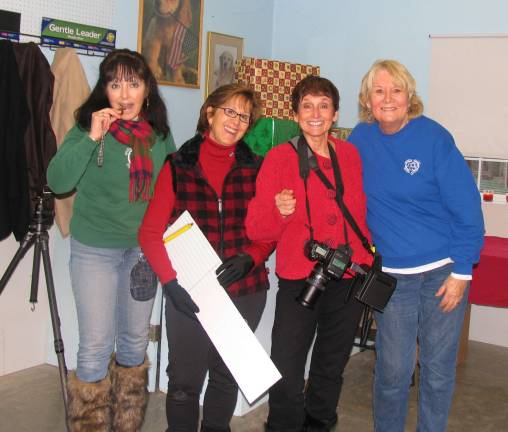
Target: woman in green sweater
[{"x": 111, "y": 158}]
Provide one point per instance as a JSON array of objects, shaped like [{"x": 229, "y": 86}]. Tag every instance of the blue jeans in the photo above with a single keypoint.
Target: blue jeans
[
  {"x": 107, "y": 313},
  {"x": 413, "y": 313}
]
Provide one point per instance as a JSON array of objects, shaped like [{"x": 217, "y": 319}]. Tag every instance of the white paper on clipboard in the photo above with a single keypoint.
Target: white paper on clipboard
[{"x": 195, "y": 262}]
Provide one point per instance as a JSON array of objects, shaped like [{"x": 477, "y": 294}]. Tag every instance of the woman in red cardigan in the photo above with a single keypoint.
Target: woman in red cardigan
[
  {"x": 212, "y": 176},
  {"x": 292, "y": 214}
]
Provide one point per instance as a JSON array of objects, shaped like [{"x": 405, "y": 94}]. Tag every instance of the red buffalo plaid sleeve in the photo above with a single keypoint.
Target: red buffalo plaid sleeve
[{"x": 154, "y": 225}]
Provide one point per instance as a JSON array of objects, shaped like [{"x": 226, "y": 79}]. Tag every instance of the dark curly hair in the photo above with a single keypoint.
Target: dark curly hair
[{"x": 123, "y": 64}]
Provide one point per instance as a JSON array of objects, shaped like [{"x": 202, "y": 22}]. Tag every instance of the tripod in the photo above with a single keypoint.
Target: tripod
[{"x": 38, "y": 235}]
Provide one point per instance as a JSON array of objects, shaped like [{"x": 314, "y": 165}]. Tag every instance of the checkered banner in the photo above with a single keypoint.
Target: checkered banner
[{"x": 274, "y": 81}]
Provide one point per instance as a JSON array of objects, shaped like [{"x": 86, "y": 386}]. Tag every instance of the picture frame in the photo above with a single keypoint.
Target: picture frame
[
  {"x": 169, "y": 37},
  {"x": 223, "y": 51}
]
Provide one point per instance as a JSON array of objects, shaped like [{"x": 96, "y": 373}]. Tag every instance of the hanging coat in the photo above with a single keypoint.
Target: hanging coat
[
  {"x": 69, "y": 92},
  {"x": 14, "y": 117},
  {"x": 39, "y": 139}
]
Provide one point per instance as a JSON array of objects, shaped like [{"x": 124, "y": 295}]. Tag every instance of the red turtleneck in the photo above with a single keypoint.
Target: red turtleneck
[{"x": 215, "y": 161}]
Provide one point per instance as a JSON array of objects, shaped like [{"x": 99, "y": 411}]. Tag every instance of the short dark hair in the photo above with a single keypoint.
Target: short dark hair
[
  {"x": 314, "y": 85},
  {"x": 124, "y": 63},
  {"x": 221, "y": 95}
]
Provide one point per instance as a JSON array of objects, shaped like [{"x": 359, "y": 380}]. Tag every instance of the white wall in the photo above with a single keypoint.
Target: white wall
[
  {"x": 496, "y": 218},
  {"x": 22, "y": 331},
  {"x": 489, "y": 324},
  {"x": 345, "y": 37}
]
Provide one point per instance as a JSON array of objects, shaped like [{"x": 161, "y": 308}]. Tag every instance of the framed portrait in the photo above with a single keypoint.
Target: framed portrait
[
  {"x": 169, "y": 37},
  {"x": 221, "y": 56}
]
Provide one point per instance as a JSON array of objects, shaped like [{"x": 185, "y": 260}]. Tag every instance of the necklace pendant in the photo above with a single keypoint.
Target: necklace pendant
[{"x": 100, "y": 153}]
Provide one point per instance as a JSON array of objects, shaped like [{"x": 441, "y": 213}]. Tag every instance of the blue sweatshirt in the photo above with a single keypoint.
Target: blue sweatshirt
[{"x": 422, "y": 202}]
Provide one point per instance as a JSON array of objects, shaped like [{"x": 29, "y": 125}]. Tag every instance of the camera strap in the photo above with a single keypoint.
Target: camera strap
[
  {"x": 307, "y": 161},
  {"x": 306, "y": 158},
  {"x": 342, "y": 205}
]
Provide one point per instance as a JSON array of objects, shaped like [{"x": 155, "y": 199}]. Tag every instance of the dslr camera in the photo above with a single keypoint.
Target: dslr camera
[
  {"x": 44, "y": 212},
  {"x": 372, "y": 286},
  {"x": 331, "y": 263}
]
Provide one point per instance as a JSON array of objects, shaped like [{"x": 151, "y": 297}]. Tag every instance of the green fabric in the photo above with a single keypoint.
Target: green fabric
[
  {"x": 268, "y": 132},
  {"x": 102, "y": 213}
]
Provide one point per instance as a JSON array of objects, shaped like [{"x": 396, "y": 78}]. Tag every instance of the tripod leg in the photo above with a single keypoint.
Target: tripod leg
[
  {"x": 366, "y": 325},
  {"x": 36, "y": 265},
  {"x": 26, "y": 243},
  {"x": 55, "y": 320}
]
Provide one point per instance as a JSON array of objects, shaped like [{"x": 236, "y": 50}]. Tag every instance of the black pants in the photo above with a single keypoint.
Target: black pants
[
  {"x": 335, "y": 323},
  {"x": 191, "y": 355}
]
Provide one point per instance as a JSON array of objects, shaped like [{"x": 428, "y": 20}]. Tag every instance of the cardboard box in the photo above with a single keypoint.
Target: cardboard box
[{"x": 273, "y": 81}]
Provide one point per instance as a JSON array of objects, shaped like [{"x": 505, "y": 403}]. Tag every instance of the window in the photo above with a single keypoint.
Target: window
[{"x": 491, "y": 176}]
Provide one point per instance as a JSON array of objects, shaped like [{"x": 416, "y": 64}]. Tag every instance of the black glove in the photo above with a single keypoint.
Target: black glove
[
  {"x": 234, "y": 268},
  {"x": 181, "y": 299}
]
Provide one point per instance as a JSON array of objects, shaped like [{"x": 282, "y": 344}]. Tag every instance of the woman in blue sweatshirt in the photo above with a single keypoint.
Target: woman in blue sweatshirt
[{"x": 424, "y": 213}]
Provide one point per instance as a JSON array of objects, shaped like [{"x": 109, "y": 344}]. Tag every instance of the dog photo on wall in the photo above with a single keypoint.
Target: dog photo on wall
[
  {"x": 224, "y": 68},
  {"x": 222, "y": 54},
  {"x": 170, "y": 39}
]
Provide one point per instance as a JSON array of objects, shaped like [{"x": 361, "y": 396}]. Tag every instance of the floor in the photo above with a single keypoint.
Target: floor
[{"x": 31, "y": 400}]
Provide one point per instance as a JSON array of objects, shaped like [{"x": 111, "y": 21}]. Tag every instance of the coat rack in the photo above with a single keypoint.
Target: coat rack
[{"x": 80, "y": 51}]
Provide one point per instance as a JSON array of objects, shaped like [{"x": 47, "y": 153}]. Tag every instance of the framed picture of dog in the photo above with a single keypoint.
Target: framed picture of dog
[
  {"x": 222, "y": 54},
  {"x": 169, "y": 37}
]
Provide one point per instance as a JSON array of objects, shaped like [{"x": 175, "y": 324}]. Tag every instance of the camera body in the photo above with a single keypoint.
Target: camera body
[
  {"x": 334, "y": 261},
  {"x": 331, "y": 263},
  {"x": 44, "y": 210},
  {"x": 371, "y": 286}
]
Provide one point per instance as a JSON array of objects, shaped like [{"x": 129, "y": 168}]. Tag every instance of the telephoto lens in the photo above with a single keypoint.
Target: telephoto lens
[{"x": 315, "y": 284}]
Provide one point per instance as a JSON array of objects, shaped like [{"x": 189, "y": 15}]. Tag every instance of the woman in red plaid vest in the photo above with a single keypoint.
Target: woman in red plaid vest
[{"x": 213, "y": 176}]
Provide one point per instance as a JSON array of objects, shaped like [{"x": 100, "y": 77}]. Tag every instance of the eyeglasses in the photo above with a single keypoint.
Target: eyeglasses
[{"x": 230, "y": 112}]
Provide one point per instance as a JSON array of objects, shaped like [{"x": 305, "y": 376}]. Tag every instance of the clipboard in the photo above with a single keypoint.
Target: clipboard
[{"x": 195, "y": 262}]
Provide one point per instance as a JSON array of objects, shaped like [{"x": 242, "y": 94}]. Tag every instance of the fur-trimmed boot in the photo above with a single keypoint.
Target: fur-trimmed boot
[
  {"x": 89, "y": 405},
  {"x": 129, "y": 396}
]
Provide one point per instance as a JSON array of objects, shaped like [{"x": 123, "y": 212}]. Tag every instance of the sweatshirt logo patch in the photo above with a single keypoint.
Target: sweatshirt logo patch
[{"x": 411, "y": 166}]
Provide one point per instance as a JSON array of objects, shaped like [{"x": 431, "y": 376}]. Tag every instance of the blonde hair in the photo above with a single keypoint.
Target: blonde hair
[{"x": 401, "y": 76}]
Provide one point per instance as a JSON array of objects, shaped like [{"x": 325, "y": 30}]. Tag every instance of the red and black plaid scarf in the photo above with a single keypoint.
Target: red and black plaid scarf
[{"x": 139, "y": 136}]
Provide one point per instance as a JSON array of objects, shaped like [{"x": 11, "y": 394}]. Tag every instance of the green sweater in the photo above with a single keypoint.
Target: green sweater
[{"x": 102, "y": 214}]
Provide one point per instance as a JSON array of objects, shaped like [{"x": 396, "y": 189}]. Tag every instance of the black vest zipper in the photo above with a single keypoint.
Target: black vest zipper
[{"x": 221, "y": 227}]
